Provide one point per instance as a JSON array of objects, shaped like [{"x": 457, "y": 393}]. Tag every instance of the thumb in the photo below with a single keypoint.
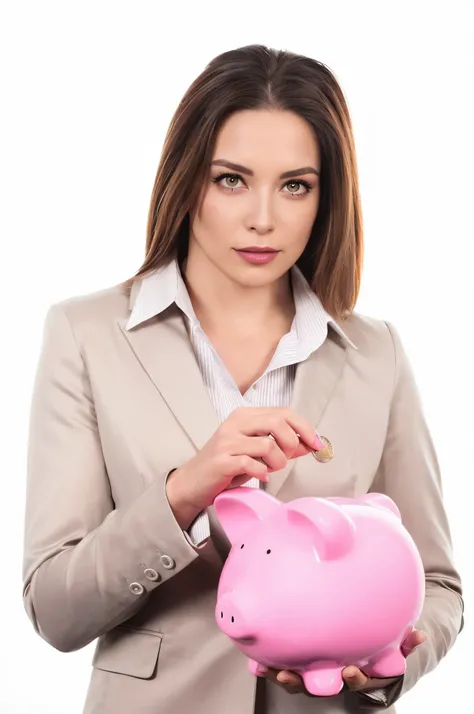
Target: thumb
[
  {"x": 414, "y": 639},
  {"x": 304, "y": 448}
]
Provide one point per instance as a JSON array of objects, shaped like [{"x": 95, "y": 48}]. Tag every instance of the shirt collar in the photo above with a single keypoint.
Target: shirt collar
[{"x": 166, "y": 286}]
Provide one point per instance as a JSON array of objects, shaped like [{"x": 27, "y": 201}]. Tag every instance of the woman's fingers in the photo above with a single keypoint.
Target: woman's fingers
[
  {"x": 354, "y": 677},
  {"x": 265, "y": 448},
  {"x": 291, "y": 681},
  {"x": 276, "y": 421},
  {"x": 415, "y": 638}
]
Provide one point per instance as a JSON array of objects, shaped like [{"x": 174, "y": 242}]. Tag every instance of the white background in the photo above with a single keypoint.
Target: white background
[{"x": 88, "y": 90}]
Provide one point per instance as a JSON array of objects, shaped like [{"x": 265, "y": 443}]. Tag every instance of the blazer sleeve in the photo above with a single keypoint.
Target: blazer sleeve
[
  {"x": 409, "y": 473},
  {"x": 86, "y": 565}
]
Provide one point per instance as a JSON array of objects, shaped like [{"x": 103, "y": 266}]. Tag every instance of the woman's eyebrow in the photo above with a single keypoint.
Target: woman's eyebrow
[{"x": 244, "y": 170}]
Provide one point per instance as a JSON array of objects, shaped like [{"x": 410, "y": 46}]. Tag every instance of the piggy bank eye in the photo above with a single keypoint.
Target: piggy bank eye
[
  {"x": 242, "y": 546},
  {"x": 268, "y": 551}
]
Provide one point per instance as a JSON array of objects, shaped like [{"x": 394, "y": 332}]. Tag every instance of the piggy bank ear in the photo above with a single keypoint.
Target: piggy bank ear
[
  {"x": 380, "y": 500},
  {"x": 238, "y": 508},
  {"x": 328, "y": 525}
]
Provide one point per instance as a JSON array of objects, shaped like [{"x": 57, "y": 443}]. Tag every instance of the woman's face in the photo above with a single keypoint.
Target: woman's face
[{"x": 255, "y": 206}]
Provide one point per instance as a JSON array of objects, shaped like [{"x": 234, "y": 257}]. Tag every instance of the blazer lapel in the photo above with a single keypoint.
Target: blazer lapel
[
  {"x": 164, "y": 350},
  {"x": 315, "y": 381}
]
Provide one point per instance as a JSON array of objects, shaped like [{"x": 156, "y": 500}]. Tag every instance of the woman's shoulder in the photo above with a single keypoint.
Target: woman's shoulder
[
  {"x": 95, "y": 310},
  {"x": 371, "y": 335}
]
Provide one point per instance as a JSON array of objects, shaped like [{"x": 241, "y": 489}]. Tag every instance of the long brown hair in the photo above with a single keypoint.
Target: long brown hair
[{"x": 258, "y": 77}]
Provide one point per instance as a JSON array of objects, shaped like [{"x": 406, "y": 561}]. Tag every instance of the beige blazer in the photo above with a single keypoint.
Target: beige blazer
[{"x": 113, "y": 411}]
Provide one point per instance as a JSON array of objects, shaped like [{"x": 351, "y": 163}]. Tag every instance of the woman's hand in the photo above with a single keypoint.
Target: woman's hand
[
  {"x": 356, "y": 679},
  {"x": 234, "y": 454}
]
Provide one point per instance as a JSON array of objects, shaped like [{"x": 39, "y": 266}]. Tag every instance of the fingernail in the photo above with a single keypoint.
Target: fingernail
[{"x": 318, "y": 443}]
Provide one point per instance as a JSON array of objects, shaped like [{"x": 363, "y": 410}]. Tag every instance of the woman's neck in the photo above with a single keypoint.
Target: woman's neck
[{"x": 220, "y": 302}]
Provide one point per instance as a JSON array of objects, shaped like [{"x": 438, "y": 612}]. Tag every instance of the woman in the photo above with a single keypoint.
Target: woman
[{"x": 155, "y": 395}]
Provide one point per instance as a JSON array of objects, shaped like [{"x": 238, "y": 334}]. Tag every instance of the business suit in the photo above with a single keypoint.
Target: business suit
[{"x": 113, "y": 412}]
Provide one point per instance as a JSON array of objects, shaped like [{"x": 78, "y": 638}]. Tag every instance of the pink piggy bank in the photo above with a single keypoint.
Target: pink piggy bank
[{"x": 316, "y": 584}]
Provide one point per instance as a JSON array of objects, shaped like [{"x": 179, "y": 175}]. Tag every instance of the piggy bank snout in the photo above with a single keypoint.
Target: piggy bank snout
[{"x": 232, "y": 620}]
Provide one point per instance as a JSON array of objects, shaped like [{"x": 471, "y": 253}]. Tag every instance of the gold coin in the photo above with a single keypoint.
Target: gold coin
[{"x": 325, "y": 454}]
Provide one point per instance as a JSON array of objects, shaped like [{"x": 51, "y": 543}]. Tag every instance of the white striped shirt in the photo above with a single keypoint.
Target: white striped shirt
[{"x": 274, "y": 387}]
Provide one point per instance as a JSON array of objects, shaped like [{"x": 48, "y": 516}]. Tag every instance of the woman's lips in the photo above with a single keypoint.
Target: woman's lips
[{"x": 258, "y": 257}]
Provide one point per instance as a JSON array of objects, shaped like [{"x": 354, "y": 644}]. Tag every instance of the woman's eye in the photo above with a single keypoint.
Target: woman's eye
[
  {"x": 233, "y": 181},
  {"x": 231, "y": 177},
  {"x": 235, "y": 178},
  {"x": 300, "y": 184}
]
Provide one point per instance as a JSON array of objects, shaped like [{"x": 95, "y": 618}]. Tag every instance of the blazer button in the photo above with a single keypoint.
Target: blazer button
[
  {"x": 136, "y": 588},
  {"x": 167, "y": 562},
  {"x": 151, "y": 574},
  {"x": 325, "y": 454}
]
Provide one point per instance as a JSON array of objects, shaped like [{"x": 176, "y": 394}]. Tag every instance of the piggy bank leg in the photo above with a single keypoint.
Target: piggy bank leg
[
  {"x": 387, "y": 664},
  {"x": 259, "y": 670},
  {"x": 323, "y": 678}
]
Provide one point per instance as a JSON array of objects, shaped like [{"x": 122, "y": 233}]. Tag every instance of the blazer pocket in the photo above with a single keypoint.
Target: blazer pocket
[{"x": 130, "y": 651}]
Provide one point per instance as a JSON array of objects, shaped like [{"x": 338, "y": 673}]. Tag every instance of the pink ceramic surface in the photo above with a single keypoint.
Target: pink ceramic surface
[{"x": 316, "y": 584}]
